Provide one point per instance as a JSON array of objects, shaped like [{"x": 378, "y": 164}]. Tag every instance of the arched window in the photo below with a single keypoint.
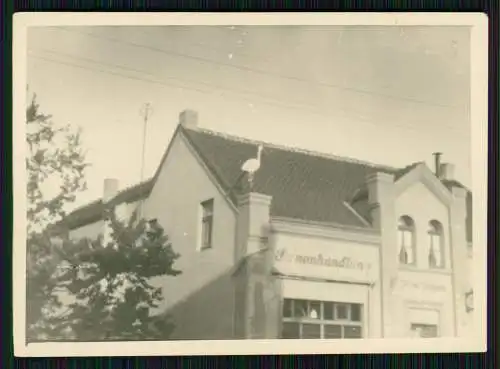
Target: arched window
[
  {"x": 406, "y": 240},
  {"x": 436, "y": 245}
]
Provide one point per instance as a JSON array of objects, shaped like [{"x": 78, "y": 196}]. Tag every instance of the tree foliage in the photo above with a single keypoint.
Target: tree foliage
[
  {"x": 89, "y": 289},
  {"x": 55, "y": 165},
  {"x": 110, "y": 282}
]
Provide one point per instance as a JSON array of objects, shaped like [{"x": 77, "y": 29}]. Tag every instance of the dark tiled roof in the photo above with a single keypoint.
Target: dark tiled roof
[
  {"x": 93, "y": 212},
  {"x": 304, "y": 185}
]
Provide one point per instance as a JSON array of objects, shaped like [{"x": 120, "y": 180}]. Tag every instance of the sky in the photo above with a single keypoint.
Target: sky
[{"x": 388, "y": 95}]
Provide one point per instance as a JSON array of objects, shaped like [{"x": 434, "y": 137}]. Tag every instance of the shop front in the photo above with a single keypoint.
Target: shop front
[{"x": 328, "y": 288}]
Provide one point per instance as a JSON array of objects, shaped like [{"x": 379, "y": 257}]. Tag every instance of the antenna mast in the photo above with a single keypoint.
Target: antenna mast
[{"x": 145, "y": 113}]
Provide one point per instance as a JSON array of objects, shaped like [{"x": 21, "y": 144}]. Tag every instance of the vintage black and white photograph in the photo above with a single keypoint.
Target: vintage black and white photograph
[{"x": 228, "y": 182}]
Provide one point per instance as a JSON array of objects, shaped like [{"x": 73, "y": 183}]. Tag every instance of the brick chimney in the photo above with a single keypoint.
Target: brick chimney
[
  {"x": 110, "y": 190},
  {"x": 447, "y": 171},
  {"x": 188, "y": 118},
  {"x": 437, "y": 163}
]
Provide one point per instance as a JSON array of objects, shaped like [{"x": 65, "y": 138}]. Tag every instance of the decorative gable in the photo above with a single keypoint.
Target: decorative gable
[{"x": 422, "y": 174}]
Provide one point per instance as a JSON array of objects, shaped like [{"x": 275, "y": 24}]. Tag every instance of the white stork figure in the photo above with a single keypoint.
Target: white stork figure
[{"x": 252, "y": 165}]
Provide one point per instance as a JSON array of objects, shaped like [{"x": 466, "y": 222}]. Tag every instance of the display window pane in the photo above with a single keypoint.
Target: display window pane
[
  {"x": 328, "y": 310},
  {"x": 341, "y": 312},
  {"x": 291, "y": 330},
  {"x": 312, "y": 319},
  {"x": 356, "y": 312},
  {"x": 352, "y": 331},
  {"x": 311, "y": 331},
  {"x": 287, "y": 308},
  {"x": 300, "y": 309},
  {"x": 425, "y": 330},
  {"x": 333, "y": 331},
  {"x": 315, "y": 310}
]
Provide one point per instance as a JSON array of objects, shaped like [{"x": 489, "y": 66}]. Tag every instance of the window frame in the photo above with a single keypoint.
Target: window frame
[
  {"x": 206, "y": 224},
  {"x": 406, "y": 226},
  {"x": 415, "y": 326},
  {"x": 436, "y": 229},
  {"x": 424, "y": 316},
  {"x": 320, "y": 320}
]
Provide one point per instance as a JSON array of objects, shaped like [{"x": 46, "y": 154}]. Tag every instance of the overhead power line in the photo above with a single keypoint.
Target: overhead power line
[
  {"x": 258, "y": 71},
  {"x": 278, "y": 103}
]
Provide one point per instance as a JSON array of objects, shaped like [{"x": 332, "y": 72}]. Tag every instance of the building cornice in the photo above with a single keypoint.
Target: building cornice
[
  {"x": 328, "y": 231},
  {"x": 322, "y": 280}
]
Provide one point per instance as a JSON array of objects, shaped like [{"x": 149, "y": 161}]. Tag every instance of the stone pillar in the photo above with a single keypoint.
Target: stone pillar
[
  {"x": 381, "y": 199},
  {"x": 257, "y": 297},
  {"x": 252, "y": 224},
  {"x": 458, "y": 244}
]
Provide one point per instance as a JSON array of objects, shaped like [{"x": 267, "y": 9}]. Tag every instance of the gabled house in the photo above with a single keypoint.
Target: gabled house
[{"x": 318, "y": 247}]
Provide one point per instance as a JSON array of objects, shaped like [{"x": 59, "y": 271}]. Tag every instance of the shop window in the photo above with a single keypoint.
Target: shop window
[
  {"x": 356, "y": 312},
  {"x": 291, "y": 330},
  {"x": 341, "y": 311},
  {"x": 406, "y": 240},
  {"x": 436, "y": 245},
  {"x": 304, "y": 319},
  {"x": 424, "y": 330},
  {"x": 333, "y": 331},
  {"x": 328, "y": 310},
  {"x": 352, "y": 331},
  {"x": 311, "y": 331},
  {"x": 287, "y": 309},
  {"x": 424, "y": 323}
]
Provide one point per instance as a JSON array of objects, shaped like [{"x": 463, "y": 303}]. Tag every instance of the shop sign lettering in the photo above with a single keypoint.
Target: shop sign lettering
[
  {"x": 282, "y": 255},
  {"x": 422, "y": 286},
  {"x": 421, "y": 291}
]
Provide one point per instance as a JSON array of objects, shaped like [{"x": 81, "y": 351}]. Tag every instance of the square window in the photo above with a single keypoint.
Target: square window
[
  {"x": 356, "y": 312},
  {"x": 311, "y": 331},
  {"x": 352, "y": 332},
  {"x": 300, "y": 309},
  {"x": 290, "y": 330},
  {"x": 315, "y": 310},
  {"x": 328, "y": 310},
  {"x": 333, "y": 331},
  {"x": 287, "y": 308},
  {"x": 341, "y": 312}
]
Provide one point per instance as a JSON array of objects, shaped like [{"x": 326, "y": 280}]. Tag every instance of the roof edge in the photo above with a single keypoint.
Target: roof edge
[
  {"x": 291, "y": 149},
  {"x": 326, "y": 225}
]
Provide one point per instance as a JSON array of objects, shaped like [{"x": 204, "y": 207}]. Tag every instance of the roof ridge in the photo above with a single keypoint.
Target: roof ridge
[
  {"x": 292, "y": 149},
  {"x": 98, "y": 200}
]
